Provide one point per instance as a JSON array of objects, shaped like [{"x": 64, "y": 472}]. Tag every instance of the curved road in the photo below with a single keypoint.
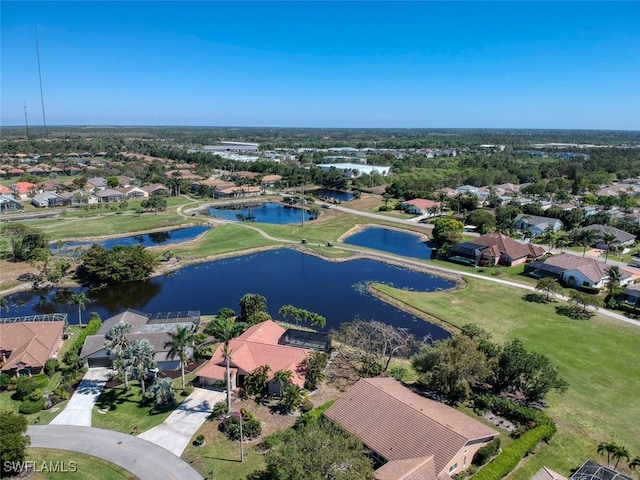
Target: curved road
[{"x": 144, "y": 459}]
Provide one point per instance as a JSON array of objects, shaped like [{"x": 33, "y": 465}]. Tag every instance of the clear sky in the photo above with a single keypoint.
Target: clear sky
[{"x": 415, "y": 64}]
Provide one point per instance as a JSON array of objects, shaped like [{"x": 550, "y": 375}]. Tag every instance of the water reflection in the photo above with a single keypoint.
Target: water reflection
[
  {"x": 392, "y": 241},
  {"x": 336, "y": 290},
  {"x": 264, "y": 212}
]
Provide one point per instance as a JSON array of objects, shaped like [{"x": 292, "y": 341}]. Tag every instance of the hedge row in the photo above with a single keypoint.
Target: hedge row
[
  {"x": 504, "y": 463},
  {"x": 509, "y": 409},
  {"x": 313, "y": 415},
  {"x": 91, "y": 329}
]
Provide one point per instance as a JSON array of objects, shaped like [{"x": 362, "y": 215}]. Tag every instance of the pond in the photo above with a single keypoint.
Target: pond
[
  {"x": 154, "y": 239},
  {"x": 334, "y": 195},
  {"x": 336, "y": 290},
  {"x": 264, "y": 212},
  {"x": 392, "y": 241}
]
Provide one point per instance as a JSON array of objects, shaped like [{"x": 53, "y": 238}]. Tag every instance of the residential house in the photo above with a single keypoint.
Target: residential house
[
  {"x": 156, "y": 189},
  {"x": 109, "y": 195},
  {"x": 266, "y": 343},
  {"x": 9, "y": 204},
  {"x": 79, "y": 197},
  {"x": 575, "y": 271},
  {"x": 494, "y": 249},
  {"x": 411, "y": 437},
  {"x": 622, "y": 238},
  {"x": 422, "y": 206},
  {"x": 241, "y": 191},
  {"x": 631, "y": 295},
  {"x": 50, "y": 186},
  {"x": 97, "y": 183},
  {"x": 6, "y": 191},
  {"x": 537, "y": 225},
  {"x": 48, "y": 199},
  {"x": 24, "y": 189},
  {"x": 270, "y": 180},
  {"x": 26, "y": 343},
  {"x": 133, "y": 192},
  {"x": 152, "y": 327},
  {"x": 547, "y": 474}
]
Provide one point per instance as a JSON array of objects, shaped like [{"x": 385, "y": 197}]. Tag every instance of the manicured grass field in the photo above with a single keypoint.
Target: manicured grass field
[
  {"x": 125, "y": 414},
  {"x": 75, "y": 465},
  {"x": 598, "y": 357}
]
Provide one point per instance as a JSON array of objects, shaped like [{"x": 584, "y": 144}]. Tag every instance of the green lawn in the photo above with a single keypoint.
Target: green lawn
[
  {"x": 222, "y": 456},
  {"x": 598, "y": 357},
  {"x": 77, "y": 466},
  {"x": 124, "y": 412}
]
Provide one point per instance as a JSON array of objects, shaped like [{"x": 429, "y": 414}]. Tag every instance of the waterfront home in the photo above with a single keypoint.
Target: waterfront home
[
  {"x": 494, "y": 249},
  {"x": 535, "y": 224}
]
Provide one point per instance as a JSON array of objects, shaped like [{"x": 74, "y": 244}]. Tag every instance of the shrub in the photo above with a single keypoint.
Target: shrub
[
  {"x": 504, "y": 463},
  {"x": 36, "y": 395},
  {"x": 51, "y": 366},
  {"x": 25, "y": 386},
  {"x": 251, "y": 426},
  {"x": 188, "y": 390},
  {"x": 30, "y": 406},
  {"x": 306, "y": 405},
  {"x": 5, "y": 381},
  {"x": 312, "y": 416},
  {"x": 483, "y": 454},
  {"x": 199, "y": 440},
  {"x": 219, "y": 409}
]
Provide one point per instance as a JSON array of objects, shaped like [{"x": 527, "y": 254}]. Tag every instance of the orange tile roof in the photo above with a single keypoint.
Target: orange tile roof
[{"x": 258, "y": 346}]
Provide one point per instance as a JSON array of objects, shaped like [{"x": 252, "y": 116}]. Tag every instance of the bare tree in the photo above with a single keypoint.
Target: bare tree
[{"x": 376, "y": 343}]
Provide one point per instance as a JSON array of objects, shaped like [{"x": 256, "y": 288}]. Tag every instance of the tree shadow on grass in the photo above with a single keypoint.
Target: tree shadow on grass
[
  {"x": 534, "y": 298},
  {"x": 110, "y": 398}
]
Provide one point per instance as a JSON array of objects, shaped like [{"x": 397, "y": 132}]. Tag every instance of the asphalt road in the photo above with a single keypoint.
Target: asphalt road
[{"x": 144, "y": 459}]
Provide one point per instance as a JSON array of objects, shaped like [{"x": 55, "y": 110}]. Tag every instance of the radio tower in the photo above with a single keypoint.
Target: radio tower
[
  {"x": 44, "y": 118},
  {"x": 26, "y": 121}
]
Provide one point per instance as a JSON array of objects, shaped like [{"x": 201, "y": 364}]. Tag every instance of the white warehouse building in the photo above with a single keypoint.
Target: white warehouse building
[{"x": 355, "y": 170}]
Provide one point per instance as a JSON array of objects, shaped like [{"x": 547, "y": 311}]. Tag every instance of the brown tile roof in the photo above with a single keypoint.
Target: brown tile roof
[
  {"x": 30, "y": 343},
  {"x": 589, "y": 267},
  {"x": 509, "y": 246},
  {"x": 547, "y": 474},
  {"x": 409, "y": 469},
  {"x": 399, "y": 424}
]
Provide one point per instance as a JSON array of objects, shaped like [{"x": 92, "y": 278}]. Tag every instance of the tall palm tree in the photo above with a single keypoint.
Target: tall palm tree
[
  {"x": 620, "y": 452},
  {"x": 81, "y": 300},
  {"x": 608, "y": 239},
  {"x": 224, "y": 329},
  {"x": 177, "y": 345},
  {"x": 607, "y": 447},
  {"x": 586, "y": 238},
  {"x": 561, "y": 240},
  {"x": 117, "y": 343},
  {"x": 140, "y": 357},
  {"x": 548, "y": 236}
]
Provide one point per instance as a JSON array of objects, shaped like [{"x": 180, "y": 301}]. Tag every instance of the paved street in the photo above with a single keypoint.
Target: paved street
[
  {"x": 142, "y": 458},
  {"x": 78, "y": 409},
  {"x": 176, "y": 431}
]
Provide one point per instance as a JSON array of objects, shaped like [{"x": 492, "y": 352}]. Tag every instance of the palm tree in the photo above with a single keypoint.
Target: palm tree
[
  {"x": 140, "y": 357},
  {"x": 117, "y": 343},
  {"x": 635, "y": 463},
  {"x": 608, "y": 448},
  {"x": 548, "y": 236},
  {"x": 224, "y": 329},
  {"x": 292, "y": 397},
  {"x": 283, "y": 377},
  {"x": 586, "y": 238},
  {"x": 620, "y": 452},
  {"x": 177, "y": 345},
  {"x": 561, "y": 240},
  {"x": 81, "y": 300},
  {"x": 608, "y": 239}
]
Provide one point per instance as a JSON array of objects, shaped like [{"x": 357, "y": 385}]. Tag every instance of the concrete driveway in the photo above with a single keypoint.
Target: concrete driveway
[
  {"x": 78, "y": 409},
  {"x": 145, "y": 460},
  {"x": 176, "y": 431}
]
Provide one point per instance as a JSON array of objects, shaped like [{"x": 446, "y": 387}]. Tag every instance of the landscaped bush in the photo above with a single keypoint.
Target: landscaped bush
[
  {"x": 31, "y": 406},
  {"x": 483, "y": 454},
  {"x": 51, "y": 366},
  {"x": 91, "y": 329},
  {"x": 525, "y": 417},
  {"x": 25, "y": 386},
  {"x": 5, "y": 381},
  {"x": 312, "y": 416},
  {"x": 504, "y": 463},
  {"x": 219, "y": 409},
  {"x": 251, "y": 426}
]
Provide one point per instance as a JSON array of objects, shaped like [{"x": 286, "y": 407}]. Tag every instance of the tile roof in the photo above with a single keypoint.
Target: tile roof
[
  {"x": 621, "y": 235},
  {"x": 381, "y": 411},
  {"x": 509, "y": 246},
  {"x": 591, "y": 268},
  {"x": 258, "y": 346},
  {"x": 30, "y": 343},
  {"x": 409, "y": 469}
]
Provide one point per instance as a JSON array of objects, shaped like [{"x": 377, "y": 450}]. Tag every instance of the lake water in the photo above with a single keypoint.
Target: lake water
[
  {"x": 334, "y": 194},
  {"x": 167, "y": 237},
  {"x": 265, "y": 212},
  {"x": 336, "y": 290},
  {"x": 392, "y": 241}
]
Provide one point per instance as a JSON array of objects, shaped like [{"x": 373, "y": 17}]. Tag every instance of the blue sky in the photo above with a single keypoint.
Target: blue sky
[{"x": 323, "y": 64}]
